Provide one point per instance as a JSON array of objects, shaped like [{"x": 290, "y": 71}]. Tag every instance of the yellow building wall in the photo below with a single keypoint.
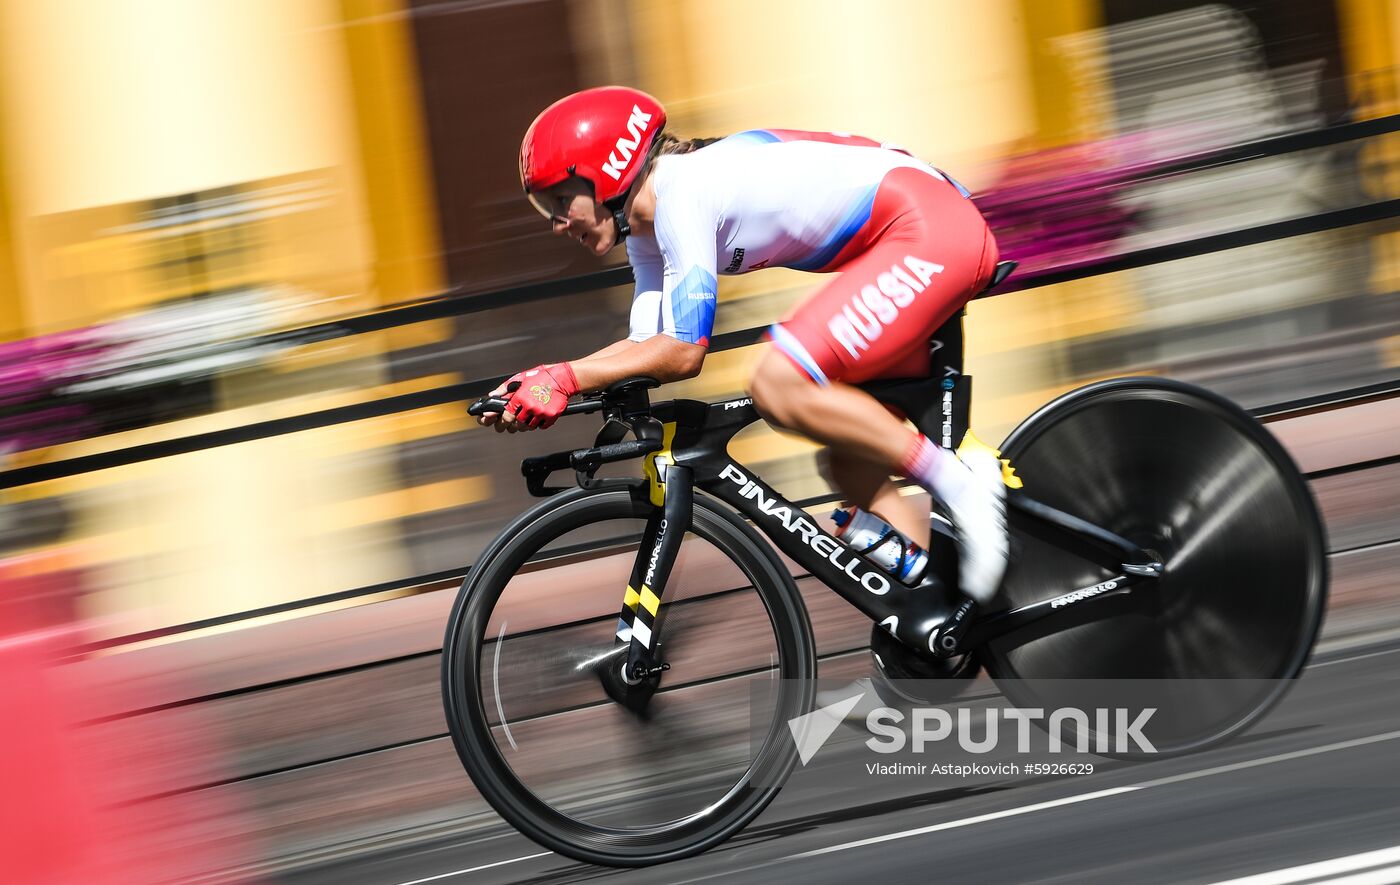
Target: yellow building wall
[
  {"x": 305, "y": 114},
  {"x": 1370, "y": 37},
  {"x": 947, "y": 80},
  {"x": 393, "y": 151},
  {"x": 118, "y": 103}
]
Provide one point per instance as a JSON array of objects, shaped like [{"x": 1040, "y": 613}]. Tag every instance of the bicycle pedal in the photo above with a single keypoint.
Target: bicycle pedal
[{"x": 946, "y": 641}]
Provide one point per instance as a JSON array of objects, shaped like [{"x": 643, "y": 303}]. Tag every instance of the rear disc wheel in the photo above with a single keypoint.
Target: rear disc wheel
[{"x": 1190, "y": 475}]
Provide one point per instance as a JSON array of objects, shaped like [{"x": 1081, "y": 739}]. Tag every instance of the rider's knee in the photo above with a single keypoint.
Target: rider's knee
[
  {"x": 778, "y": 388},
  {"x": 767, "y": 401}
]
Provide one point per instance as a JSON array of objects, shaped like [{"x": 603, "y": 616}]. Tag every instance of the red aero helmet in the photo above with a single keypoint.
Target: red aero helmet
[{"x": 601, "y": 135}]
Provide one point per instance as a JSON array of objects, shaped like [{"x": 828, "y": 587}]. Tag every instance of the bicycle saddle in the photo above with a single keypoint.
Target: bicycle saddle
[{"x": 999, "y": 275}]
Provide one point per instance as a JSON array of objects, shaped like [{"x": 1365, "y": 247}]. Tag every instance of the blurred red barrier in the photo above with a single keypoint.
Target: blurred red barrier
[
  {"x": 71, "y": 812},
  {"x": 48, "y": 819}
]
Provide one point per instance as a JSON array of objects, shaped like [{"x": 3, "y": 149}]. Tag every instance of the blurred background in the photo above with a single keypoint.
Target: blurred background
[{"x": 187, "y": 188}]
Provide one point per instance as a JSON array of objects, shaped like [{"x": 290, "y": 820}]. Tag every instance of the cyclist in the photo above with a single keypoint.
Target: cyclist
[{"x": 907, "y": 245}]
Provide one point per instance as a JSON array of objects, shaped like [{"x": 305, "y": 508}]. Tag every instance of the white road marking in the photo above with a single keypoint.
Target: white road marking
[
  {"x": 1327, "y": 868},
  {"x": 1366, "y": 548},
  {"x": 968, "y": 821},
  {"x": 1374, "y": 654},
  {"x": 1270, "y": 760},
  {"x": 1101, "y": 794},
  {"x": 1387, "y": 876},
  {"x": 499, "y": 863},
  {"x": 1374, "y": 877}
]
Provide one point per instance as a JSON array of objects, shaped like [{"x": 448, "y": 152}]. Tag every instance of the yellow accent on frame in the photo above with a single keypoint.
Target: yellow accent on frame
[
  {"x": 650, "y": 601},
  {"x": 650, "y": 465},
  {"x": 631, "y": 598},
  {"x": 970, "y": 443}
]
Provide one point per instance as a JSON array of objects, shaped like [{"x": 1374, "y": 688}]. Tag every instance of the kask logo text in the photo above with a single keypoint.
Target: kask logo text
[{"x": 621, "y": 156}]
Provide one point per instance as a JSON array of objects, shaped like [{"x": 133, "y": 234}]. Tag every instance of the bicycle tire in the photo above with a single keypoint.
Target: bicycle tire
[
  {"x": 468, "y": 716},
  {"x": 1188, "y": 472}
]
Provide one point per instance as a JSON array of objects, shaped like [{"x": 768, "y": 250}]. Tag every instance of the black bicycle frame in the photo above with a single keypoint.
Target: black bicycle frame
[
  {"x": 684, "y": 445},
  {"x": 912, "y": 614}
]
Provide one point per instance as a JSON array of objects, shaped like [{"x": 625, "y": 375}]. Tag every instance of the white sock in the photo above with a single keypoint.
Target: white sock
[{"x": 937, "y": 469}]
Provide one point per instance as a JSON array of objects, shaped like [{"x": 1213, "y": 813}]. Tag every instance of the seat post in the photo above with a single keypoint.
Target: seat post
[{"x": 954, "y": 388}]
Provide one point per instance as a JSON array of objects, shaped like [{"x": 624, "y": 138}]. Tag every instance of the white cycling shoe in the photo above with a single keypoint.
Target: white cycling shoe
[{"x": 979, "y": 518}]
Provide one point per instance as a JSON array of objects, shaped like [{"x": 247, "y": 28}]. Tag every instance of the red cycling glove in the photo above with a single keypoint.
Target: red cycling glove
[{"x": 541, "y": 394}]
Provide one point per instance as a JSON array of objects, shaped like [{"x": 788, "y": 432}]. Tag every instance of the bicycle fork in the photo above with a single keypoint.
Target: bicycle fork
[{"x": 639, "y": 624}]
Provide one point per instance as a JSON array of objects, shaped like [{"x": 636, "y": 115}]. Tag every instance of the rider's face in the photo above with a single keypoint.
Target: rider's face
[{"x": 574, "y": 213}]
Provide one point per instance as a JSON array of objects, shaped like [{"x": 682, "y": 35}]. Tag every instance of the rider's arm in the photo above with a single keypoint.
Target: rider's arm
[
  {"x": 660, "y": 356},
  {"x": 652, "y": 348},
  {"x": 685, "y": 230},
  {"x": 612, "y": 349},
  {"x": 648, "y": 350},
  {"x": 673, "y": 308}
]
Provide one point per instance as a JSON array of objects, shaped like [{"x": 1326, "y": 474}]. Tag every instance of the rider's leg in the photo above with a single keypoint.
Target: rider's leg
[
  {"x": 867, "y": 485},
  {"x": 932, "y": 254},
  {"x": 849, "y": 419}
]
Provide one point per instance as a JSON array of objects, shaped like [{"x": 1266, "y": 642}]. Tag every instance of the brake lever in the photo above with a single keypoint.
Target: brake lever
[
  {"x": 490, "y": 403},
  {"x": 486, "y": 404}
]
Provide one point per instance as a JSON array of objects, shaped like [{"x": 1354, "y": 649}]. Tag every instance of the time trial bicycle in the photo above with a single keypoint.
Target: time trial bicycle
[{"x": 621, "y": 664}]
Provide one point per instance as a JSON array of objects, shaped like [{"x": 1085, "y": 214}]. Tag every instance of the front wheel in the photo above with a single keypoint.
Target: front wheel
[
  {"x": 1191, "y": 475},
  {"x": 531, "y": 665}
]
